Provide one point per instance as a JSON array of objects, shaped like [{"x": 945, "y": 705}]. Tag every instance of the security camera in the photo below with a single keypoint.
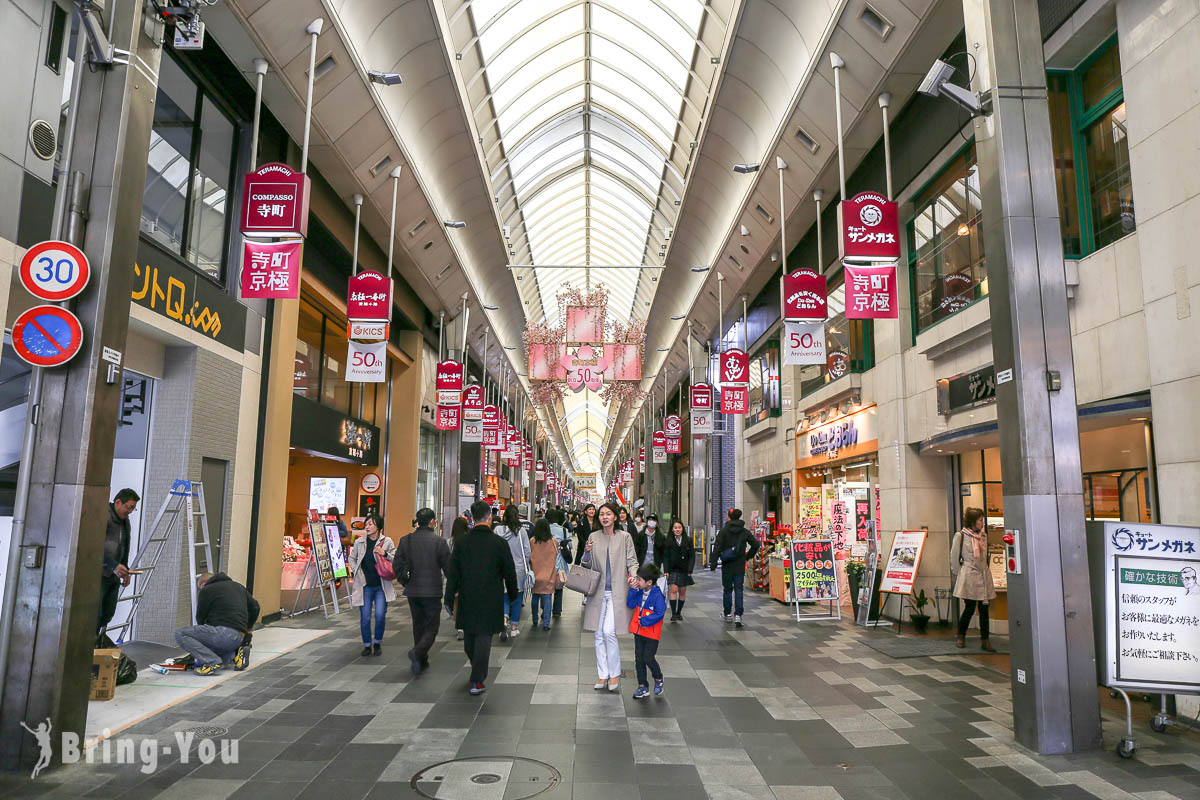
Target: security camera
[
  {"x": 937, "y": 83},
  {"x": 385, "y": 78}
]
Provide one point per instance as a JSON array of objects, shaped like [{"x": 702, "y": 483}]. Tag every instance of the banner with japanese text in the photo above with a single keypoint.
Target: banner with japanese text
[
  {"x": 271, "y": 270},
  {"x": 871, "y": 292}
]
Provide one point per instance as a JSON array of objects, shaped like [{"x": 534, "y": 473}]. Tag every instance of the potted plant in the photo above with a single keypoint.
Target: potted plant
[
  {"x": 854, "y": 573},
  {"x": 917, "y": 603}
]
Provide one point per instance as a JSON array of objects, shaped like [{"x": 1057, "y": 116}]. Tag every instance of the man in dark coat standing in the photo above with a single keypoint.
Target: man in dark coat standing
[
  {"x": 421, "y": 559},
  {"x": 730, "y": 548},
  {"x": 481, "y": 572},
  {"x": 114, "y": 572}
]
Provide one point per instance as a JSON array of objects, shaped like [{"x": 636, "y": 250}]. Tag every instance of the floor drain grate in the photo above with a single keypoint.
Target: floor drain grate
[
  {"x": 507, "y": 777},
  {"x": 207, "y": 731}
]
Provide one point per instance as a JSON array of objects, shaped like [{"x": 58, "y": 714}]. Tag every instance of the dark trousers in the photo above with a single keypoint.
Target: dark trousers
[
  {"x": 426, "y": 619},
  {"x": 557, "y": 605},
  {"x": 110, "y": 590},
  {"x": 478, "y": 647},
  {"x": 732, "y": 584},
  {"x": 964, "y": 619},
  {"x": 644, "y": 651}
]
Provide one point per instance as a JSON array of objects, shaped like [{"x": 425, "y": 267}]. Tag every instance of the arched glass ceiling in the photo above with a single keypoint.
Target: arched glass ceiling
[{"x": 589, "y": 112}]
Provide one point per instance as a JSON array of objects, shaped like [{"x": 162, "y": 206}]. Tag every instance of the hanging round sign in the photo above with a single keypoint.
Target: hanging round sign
[
  {"x": 54, "y": 271},
  {"x": 47, "y": 336}
]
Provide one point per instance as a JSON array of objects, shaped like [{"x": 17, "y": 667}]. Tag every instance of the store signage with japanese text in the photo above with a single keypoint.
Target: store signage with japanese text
[
  {"x": 701, "y": 396},
  {"x": 673, "y": 426},
  {"x": 164, "y": 285},
  {"x": 491, "y": 416},
  {"x": 967, "y": 390},
  {"x": 322, "y": 431},
  {"x": 275, "y": 201},
  {"x": 803, "y": 343},
  {"x": 369, "y": 297},
  {"x": 539, "y": 470},
  {"x": 900, "y": 570},
  {"x": 366, "y": 362},
  {"x": 804, "y": 295},
  {"x": 448, "y": 383},
  {"x": 871, "y": 292},
  {"x": 472, "y": 402},
  {"x": 584, "y": 368},
  {"x": 735, "y": 399},
  {"x": 870, "y": 228},
  {"x": 367, "y": 330},
  {"x": 448, "y": 418},
  {"x": 735, "y": 368},
  {"x": 641, "y": 459},
  {"x": 271, "y": 270},
  {"x": 814, "y": 576},
  {"x": 674, "y": 445}
]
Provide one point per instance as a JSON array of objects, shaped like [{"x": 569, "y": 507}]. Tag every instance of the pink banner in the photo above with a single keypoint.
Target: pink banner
[
  {"x": 585, "y": 323},
  {"x": 271, "y": 270},
  {"x": 871, "y": 292},
  {"x": 625, "y": 361}
]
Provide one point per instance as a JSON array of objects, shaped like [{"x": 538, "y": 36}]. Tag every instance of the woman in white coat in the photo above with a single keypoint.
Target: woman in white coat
[
  {"x": 368, "y": 591},
  {"x": 973, "y": 578},
  {"x": 610, "y": 552}
]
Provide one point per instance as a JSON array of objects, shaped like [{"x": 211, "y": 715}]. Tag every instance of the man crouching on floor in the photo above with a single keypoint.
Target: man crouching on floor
[{"x": 226, "y": 612}]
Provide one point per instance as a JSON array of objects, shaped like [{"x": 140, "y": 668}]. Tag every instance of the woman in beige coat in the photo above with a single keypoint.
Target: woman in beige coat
[
  {"x": 610, "y": 552},
  {"x": 973, "y": 578},
  {"x": 368, "y": 591}
]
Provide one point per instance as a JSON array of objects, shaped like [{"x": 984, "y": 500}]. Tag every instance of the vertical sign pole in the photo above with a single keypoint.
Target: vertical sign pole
[
  {"x": 392, "y": 225},
  {"x": 885, "y": 100},
  {"x": 358, "y": 201},
  {"x": 260, "y": 69},
  {"x": 781, "y": 165},
  {"x": 819, "y": 195},
  {"x": 313, "y": 30},
  {"x": 838, "y": 65}
]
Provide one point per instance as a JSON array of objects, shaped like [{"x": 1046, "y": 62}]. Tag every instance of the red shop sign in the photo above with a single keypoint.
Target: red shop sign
[
  {"x": 275, "y": 201},
  {"x": 871, "y": 292},
  {"x": 735, "y": 367},
  {"x": 735, "y": 400},
  {"x": 673, "y": 427},
  {"x": 701, "y": 396},
  {"x": 271, "y": 270},
  {"x": 369, "y": 297},
  {"x": 674, "y": 446},
  {"x": 491, "y": 417},
  {"x": 659, "y": 439},
  {"x": 472, "y": 402},
  {"x": 804, "y": 295},
  {"x": 449, "y": 376},
  {"x": 870, "y": 228},
  {"x": 448, "y": 418}
]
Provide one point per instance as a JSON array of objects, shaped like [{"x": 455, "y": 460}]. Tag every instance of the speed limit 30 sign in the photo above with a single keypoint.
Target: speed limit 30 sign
[{"x": 54, "y": 271}]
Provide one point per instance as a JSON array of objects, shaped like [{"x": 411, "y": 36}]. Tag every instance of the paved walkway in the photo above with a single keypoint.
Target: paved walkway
[{"x": 776, "y": 710}]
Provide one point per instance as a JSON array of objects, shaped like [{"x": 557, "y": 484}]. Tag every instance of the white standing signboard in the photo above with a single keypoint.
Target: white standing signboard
[
  {"x": 1152, "y": 607},
  {"x": 904, "y": 560}
]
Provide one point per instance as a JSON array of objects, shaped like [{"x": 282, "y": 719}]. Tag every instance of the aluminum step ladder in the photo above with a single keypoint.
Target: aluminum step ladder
[{"x": 180, "y": 508}]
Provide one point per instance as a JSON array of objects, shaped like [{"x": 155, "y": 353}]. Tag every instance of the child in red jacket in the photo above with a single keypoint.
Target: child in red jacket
[{"x": 649, "y": 607}]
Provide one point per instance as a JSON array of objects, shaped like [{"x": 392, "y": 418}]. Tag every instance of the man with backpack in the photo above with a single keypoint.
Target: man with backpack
[{"x": 730, "y": 548}]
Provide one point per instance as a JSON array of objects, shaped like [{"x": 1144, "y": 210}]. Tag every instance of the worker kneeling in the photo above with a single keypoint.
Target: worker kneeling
[{"x": 225, "y": 613}]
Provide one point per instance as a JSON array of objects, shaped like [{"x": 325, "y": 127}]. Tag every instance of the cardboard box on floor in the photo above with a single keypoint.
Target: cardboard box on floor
[{"x": 104, "y": 673}]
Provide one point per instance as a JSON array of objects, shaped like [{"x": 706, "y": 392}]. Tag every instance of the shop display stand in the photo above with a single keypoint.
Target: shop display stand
[
  {"x": 884, "y": 597},
  {"x": 834, "y": 609},
  {"x": 304, "y": 596}
]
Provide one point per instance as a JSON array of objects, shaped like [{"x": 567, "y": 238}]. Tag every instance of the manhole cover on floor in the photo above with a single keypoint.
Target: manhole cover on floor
[
  {"x": 486, "y": 778},
  {"x": 208, "y": 731}
]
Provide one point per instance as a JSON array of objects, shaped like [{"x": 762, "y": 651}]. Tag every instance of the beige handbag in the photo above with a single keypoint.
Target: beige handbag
[{"x": 583, "y": 580}]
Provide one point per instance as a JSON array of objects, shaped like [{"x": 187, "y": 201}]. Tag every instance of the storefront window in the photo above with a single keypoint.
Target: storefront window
[
  {"x": 306, "y": 376},
  {"x": 948, "y": 268},
  {"x": 1087, "y": 121},
  {"x": 848, "y": 344},
  {"x": 764, "y": 384},
  {"x": 320, "y": 367},
  {"x": 189, "y": 170},
  {"x": 335, "y": 391},
  {"x": 428, "y": 469}
]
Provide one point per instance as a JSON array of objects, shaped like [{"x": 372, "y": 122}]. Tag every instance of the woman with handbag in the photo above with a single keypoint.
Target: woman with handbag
[
  {"x": 545, "y": 560},
  {"x": 678, "y": 561},
  {"x": 369, "y": 591},
  {"x": 516, "y": 535},
  {"x": 610, "y": 552},
  {"x": 973, "y": 578}
]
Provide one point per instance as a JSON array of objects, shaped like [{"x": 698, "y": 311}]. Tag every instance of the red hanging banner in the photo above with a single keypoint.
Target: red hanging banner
[
  {"x": 735, "y": 368},
  {"x": 472, "y": 402},
  {"x": 701, "y": 396},
  {"x": 448, "y": 418},
  {"x": 804, "y": 294},
  {"x": 369, "y": 297},
  {"x": 271, "y": 270},
  {"x": 448, "y": 383},
  {"x": 673, "y": 428},
  {"x": 275, "y": 201},
  {"x": 870, "y": 228},
  {"x": 659, "y": 439},
  {"x": 871, "y": 292},
  {"x": 735, "y": 399},
  {"x": 674, "y": 446}
]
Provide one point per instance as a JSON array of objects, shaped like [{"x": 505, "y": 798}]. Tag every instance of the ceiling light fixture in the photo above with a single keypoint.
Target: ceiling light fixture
[
  {"x": 745, "y": 169},
  {"x": 454, "y": 223},
  {"x": 700, "y": 269},
  {"x": 385, "y": 78},
  {"x": 678, "y": 317},
  {"x": 491, "y": 308},
  {"x": 964, "y": 229}
]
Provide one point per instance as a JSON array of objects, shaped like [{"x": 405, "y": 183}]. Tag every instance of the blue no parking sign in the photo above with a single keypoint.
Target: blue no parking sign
[{"x": 47, "y": 336}]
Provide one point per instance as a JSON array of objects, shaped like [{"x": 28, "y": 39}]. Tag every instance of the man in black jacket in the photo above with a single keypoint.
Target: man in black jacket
[
  {"x": 114, "y": 572},
  {"x": 420, "y": 561},
  {"x": 481, "y": 573},
  {"x": 730, "y": 549},
  {"x": 225, "y": 613}
]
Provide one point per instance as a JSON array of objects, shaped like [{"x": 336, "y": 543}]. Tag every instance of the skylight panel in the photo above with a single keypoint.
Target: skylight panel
[
  {"x": 506, "y": 85},
  {"x": 525, "y": 102},
  {"x": 637, "y": 40},
  {"x": 647, "y": 124},
  {"x": 514, "y": 128}
]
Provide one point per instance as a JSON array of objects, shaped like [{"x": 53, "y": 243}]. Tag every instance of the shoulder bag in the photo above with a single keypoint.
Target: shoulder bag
[
  {"x": 583, "y": 580},
  {"x": 383, "y": 566}
]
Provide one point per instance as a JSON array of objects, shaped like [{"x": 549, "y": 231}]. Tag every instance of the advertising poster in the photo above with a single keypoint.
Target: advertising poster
[
  {"x": 337, "y": 556},
  {"x": 837, "y": 518},
  {"x": 903, "y": 562},
  {"x": 320, "y": 547},
  {"x": 804, "y": 343},
  {"x": 326, "y": 493},
  {"x": 810, "y": 511},
  {"x": 814, "y": 576},
  {"x": 996, "y": 566},
  {"x": 862, "y": 520}
]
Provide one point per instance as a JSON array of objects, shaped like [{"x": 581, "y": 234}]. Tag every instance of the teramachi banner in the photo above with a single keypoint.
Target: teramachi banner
[{"x": 804, "y": 295}]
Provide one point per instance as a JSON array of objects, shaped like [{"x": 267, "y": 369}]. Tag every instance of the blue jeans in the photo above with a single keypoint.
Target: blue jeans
[
  {"x": 545, "y": 600},
  {"x": 372, "y": 598},
  {"x": 209, "y": 644},
  {"x": 732, "y": 584},
  {"x": 512, "y": 608}
]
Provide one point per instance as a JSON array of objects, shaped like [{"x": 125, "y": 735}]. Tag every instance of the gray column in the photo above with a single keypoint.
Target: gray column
[
  {"x": 54, "y": 622},
  {"x": 1055, "y": 707}
]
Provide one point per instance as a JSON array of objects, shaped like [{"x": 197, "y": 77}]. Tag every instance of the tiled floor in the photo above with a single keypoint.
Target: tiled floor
[{"x": 776, "y": 710}]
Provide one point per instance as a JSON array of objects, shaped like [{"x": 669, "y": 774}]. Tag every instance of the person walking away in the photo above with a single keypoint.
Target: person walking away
[
  {"x": 649, "y": 608},
  {"x": 481, "y": 575},
  {"x": 545, "y": 561},
  {"x": 368, "y": 592},
  {"x": 730, "y": 548},
  {"x": 555, "y": 518},
  {"x": 678, "y": 561},
  {"x": 610, "y": 552},
  {"x": 114, "y": 569},
  {"x": 516, "y": 533},
  {"x": 225, "y": 613},
  {"x": 973, "y": 578},
  {"x": 421, "y": 559},
  {"x": 640, "y": 542}
]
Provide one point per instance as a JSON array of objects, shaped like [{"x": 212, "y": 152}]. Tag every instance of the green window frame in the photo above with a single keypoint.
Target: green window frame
[{"x": 1087, "y": 120}]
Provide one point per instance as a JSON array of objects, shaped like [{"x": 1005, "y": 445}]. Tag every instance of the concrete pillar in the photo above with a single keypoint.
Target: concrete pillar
[{"x": 404, "y": 441}]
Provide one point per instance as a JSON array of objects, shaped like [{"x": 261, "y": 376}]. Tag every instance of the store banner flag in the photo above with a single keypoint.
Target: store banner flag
[
  {"x": 275, "y": 201},
  {"x": 271, "y": 270},
  {"x": 660, "y": 455},
  {"x": 871, "y": 292},
  {"x": 366, "y": 362},
  {"x": 803, "y": 343},
  {"x": 870, "y": 228},
  {"x": 448, "y": 418},
  {"x": 641, "y": 459},
  {"x": 673, "y": 426},
  {"x": 814, "y": 576},
  {"x": 472, "y": 430},
  {"x": 491, "y": 417},
  {"x": 449, "y": 376},
  {"x": 369, "y": 297},
  {"x": 701, "y": 396},
  {"x": 904, "y": 560},
  {"x": 674, "y": 445},
  {"x": 804, "y": 295},
  {"x": 735, "y": 400},
  {"x": 539, "y": 470},
  {"x": 735, "y": 368},
  {"x": 702, "y": 422},
  {"x": 472, "y": 402},
  {"x": 491, "y": 438}
]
